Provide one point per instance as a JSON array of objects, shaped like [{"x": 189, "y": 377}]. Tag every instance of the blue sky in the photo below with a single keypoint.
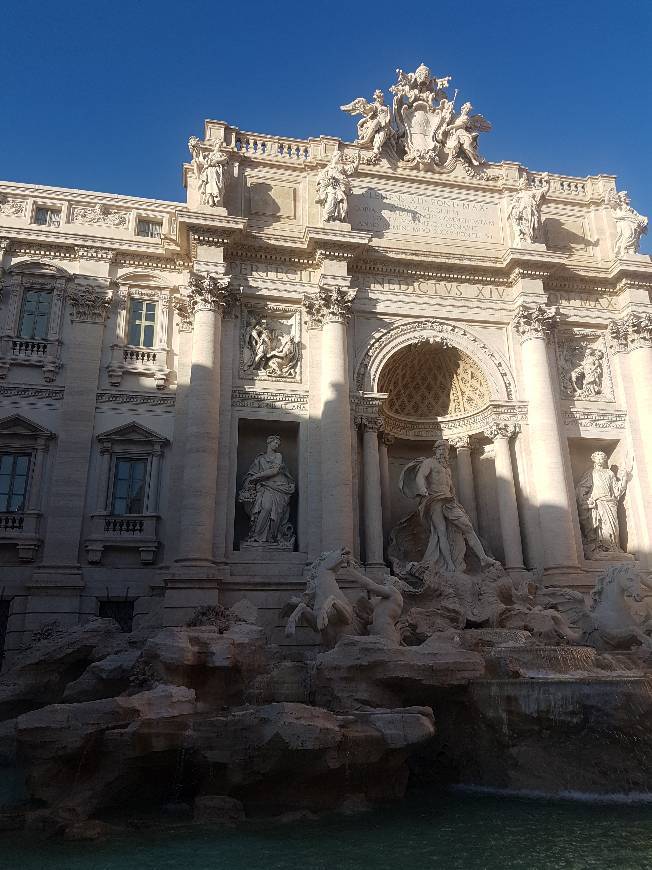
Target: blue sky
[{"x": 103, "y": 96}]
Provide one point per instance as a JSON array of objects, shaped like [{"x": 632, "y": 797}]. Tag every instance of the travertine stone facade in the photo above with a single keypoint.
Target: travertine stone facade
[{"x": 357, "y": 301}]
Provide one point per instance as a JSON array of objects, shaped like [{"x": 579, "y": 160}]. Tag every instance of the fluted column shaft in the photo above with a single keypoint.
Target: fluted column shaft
[
  {"x": 506, "y": 490},
  {"x": 208, "y": 300},
  {"x": 534, "y": 324},
  {"x": 372, "y": 507},
  {"x": 337, "y": 494},
  {"x": 465, "y": 484}
]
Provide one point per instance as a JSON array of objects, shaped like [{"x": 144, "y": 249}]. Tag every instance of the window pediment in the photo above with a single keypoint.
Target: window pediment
[
  {"x": 132, "y": 432},
  {"x": 17, "y": 425}
]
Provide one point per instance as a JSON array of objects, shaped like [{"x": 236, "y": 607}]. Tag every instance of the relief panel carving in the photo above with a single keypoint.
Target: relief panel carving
[
  {"x": 270, "y": 343},
  {"x": 583, "y": 362}
]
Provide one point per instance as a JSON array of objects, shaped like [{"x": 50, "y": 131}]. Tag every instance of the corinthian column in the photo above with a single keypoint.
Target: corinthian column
[
  {"x": 465, "y": 484},
  {"x": 373, "y": 499},
  {"x": 500, "y": 433},
  {"x": 208, "y": 300},
  {"x": 331, "y": 308},
  {"x": 534, "y": 324},
  {"x": 631, "y": 344}
]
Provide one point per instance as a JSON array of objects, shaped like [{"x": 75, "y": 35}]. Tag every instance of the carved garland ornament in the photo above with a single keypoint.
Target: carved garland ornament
[{"x": 88, "y": 304}]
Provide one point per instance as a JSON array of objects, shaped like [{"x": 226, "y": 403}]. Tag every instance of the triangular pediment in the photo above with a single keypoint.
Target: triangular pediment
[
  {"x": 132, "y": 432},
  {"x": 17, "y": 425}
]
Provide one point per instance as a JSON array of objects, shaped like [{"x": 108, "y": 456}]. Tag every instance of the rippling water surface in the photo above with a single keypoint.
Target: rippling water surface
[{"x": 450, "y": 831}]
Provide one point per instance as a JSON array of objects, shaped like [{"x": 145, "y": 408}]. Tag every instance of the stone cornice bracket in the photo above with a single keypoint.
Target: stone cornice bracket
[
  {"x": 522, "y": 273},
  {"x": 631, "y": 332},
  {"x": 500, "y": 429},
  {"x": 89, "y": 303},
  {"x": 534, "y": 321},
  {"x": 328, "y": 304}
]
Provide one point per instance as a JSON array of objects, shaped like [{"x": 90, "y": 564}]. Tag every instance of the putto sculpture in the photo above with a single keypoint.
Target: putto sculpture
[
  {"x": 630, "y": 225},
  {"x": 334, "y": 186},
  {"x": 525, "y": 212},
  {"x": 599, "y": 492},
  {"x": 423, "y": 129},
  {"x": 265, "y": 495}
]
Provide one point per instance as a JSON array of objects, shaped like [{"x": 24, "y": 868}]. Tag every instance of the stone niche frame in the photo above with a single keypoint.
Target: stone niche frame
[
  {"x": 21, "y": 528},
  {"x": 569, "y": 347},
  {"x": 288, "y": 316}
]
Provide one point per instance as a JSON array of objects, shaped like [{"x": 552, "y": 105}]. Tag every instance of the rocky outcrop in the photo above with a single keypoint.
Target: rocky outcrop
[
  {"x": 42, "y": 673},
  {"x": 370, "y": 672}
]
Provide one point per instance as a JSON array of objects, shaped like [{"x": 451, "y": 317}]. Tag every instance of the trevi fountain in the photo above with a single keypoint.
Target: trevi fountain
[{"x": 327, "y": 488}]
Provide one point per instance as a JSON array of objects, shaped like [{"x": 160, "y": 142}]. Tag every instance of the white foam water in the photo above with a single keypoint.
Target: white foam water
[{"x": 632, "y": 797}]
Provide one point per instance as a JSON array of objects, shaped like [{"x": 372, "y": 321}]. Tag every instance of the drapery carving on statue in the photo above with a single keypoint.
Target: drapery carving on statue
[
  {"x": 334, "y": 185},
  {"x": 325, "y": 609},
  {"x": 88, "y": 303},
  {"x": 265, "y": 495},
  {"x": 269, "y": 347},
  {"x": 524, "y": 212},
  {"x": 328, "y": 304},
  {"x": 534, "y": 321},
  {"x": 599, "y": 492},
  {"x": 209, "y": 169},
  {"x": 375, "y": 126},
  {"x": 630, "y": 225}
]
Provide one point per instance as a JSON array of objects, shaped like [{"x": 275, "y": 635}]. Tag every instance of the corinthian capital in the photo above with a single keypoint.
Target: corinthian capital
[
  {"x": 88, "y": 303},
  {"x": 534, "y": 321},
  {"x": 499, "y": 429},
  {"x": 630, "y": 333},
  {"x": 459, "y": 442},
  {"x": 328, "y": 304},
  {"x": 207, "y": 293}
]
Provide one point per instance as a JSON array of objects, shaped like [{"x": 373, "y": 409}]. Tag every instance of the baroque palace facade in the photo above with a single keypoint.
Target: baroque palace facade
[{"x": 197, "y": 399}]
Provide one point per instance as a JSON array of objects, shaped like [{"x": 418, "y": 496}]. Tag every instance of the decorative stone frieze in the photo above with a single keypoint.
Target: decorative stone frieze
[
  {"x": 272, "y": 400},
  {"x": 328, "y": 304},
  {"x": 534, "y": 321},
  {"x": 12, "y": 207},
  {"x": 99, "y": 215},
  {"x": 88, "y": 303},
  {"x": 85, "y": 252},
  {"x": 585, "y": 419}
]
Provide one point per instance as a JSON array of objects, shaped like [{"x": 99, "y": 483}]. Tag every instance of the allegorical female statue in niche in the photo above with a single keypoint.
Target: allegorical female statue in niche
[
  {"x": 265, "y": 495},
  {"x": 598, "y": 493}
]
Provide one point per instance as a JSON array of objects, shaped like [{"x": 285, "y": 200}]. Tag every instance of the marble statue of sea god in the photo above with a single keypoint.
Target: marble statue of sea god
[
  {"x": 429, "y": 480},
  {"x": 599, "y": 492},
  {"x": 265, "y": 495}
]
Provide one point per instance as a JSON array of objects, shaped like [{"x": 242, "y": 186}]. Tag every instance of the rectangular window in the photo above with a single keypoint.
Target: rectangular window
[
  {"x": 149, "y": 229},
  {"x": 121, "y": 611},
  {"x": 47, "y": 217},
  {"x": 35, "y": 314},
  {"x": 142, "y": 320},
  {"x": 14, "y": 474},
  {"x": 129, "y": 486},
  {"x": 4, "y": 619}
]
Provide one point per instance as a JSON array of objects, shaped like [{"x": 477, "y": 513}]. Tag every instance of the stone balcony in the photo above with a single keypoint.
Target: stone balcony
[
  {"x": 146, "y": 362},
  {"x": 44, "y": 353},
  {"x": 132, "y": 531},
  {"x": 22, "y": 530}
]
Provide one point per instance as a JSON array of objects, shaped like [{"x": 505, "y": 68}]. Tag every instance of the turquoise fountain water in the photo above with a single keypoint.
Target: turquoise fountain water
[{"x": 452, "y": 831}]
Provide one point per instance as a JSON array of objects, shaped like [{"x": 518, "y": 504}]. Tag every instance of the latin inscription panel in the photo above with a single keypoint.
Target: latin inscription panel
[{"x": 379, "y": 211}]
